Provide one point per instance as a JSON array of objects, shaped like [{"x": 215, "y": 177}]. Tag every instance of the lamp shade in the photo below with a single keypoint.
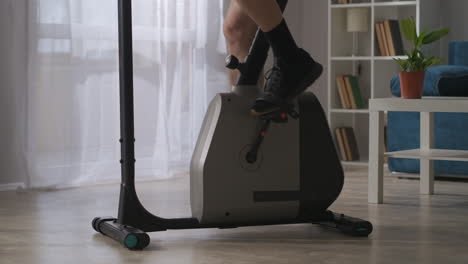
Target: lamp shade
[{"x": 358, "y": 19}]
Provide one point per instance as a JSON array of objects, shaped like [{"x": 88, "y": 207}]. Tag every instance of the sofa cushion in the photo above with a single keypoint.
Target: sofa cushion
[
  {"x": 446, "y": 80},
  {"x": 458, "y": 53}
]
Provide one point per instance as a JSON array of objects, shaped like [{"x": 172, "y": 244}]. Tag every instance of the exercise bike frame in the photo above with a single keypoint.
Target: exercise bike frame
[{"x": 133, "y": 219}]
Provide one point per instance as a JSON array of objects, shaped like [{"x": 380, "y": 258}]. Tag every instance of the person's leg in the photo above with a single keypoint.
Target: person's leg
[
  {"x": 268, "y": 16},
  {"x": 294, "y": 69},
  {"x": 266, "y": 13},
  {"x": 239, "y": 30}
]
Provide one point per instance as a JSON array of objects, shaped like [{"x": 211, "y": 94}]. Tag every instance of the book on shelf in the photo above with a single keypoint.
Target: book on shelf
[
  {"x": 342, "y": 92},
  {"x": 393, "y": 27},
  {"x": 347, "y": 144},
  {"x": 347, "y": 147},
  {"x": 349, "y": 133},
  {"x": 357, "y": 93},
  {"x": 380, "y": 40},
  {"x": 384, "y": 39},
  {"x": 349, "y": 92},
  {"x": 389, "y": 39},
  {"x": 340, "y": 143}
]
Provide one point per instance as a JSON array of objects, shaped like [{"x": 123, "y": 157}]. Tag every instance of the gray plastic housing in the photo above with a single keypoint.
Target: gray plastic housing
[
  {"x": 298, "y": 174},
  {"x": 223, "y": 182}
]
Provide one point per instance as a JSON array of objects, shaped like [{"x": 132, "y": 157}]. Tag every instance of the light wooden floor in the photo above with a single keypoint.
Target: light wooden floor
[{"x": 54, "y": 227}]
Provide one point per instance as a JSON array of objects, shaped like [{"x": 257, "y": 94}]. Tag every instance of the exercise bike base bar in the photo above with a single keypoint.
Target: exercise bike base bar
[
  {"x": 136, "y": 239},
  {"x": 128, "y": 236}
]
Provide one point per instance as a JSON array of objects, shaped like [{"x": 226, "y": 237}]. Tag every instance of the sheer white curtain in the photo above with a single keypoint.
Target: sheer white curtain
[{"x": 72, "y": 97}]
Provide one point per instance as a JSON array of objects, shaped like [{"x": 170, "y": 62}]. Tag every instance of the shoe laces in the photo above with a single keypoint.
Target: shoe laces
[{"x": 273, "y": 78}]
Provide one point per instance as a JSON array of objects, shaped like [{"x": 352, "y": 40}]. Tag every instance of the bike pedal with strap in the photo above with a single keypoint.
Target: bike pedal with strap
[{"x": 281, "y": 115}]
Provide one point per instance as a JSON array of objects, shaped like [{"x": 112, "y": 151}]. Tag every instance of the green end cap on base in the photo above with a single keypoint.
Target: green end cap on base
[
  {"x": 131, "y": 241},
  {"x": 361, "y": 229}
]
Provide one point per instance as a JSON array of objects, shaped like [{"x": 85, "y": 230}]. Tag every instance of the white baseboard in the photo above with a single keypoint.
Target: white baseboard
[{"x": 11, "y": 186}]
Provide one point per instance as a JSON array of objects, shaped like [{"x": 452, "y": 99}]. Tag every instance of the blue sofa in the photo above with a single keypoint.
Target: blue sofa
[{"x": 451, "y": 129}]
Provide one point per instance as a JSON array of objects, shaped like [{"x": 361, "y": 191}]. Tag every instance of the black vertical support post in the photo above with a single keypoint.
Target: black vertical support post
[{"x": 127, "y": 129}]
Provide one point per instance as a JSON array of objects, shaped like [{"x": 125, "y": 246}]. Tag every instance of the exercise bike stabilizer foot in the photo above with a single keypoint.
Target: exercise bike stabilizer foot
[
  {"x": 129, "y": 237},
  {"x": 348, "y": 225},
  {"x": 353, "y": 226}
]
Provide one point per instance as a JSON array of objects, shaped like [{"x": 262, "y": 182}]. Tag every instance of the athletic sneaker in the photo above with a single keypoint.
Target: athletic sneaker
[{"x": 285, "y": 81}]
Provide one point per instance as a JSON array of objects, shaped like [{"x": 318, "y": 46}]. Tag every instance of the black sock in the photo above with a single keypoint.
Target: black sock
[{"x": 282, "y": 41}]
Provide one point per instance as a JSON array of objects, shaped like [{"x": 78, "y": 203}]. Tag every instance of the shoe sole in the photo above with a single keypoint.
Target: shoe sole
[{"x": 311, "y": 78}]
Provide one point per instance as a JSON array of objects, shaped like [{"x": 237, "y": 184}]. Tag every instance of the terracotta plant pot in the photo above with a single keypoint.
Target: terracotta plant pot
[{"x": 412, "y": 84}]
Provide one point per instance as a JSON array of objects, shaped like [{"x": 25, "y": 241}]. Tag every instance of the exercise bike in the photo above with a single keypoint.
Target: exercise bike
[{"x": 281, "y": 168}]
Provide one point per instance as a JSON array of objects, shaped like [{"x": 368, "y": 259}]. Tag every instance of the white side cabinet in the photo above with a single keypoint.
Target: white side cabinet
[{"x": 426, "y": 153}]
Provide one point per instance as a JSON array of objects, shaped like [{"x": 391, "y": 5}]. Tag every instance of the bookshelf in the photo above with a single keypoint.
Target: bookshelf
[{"x": 374, "y": 72}]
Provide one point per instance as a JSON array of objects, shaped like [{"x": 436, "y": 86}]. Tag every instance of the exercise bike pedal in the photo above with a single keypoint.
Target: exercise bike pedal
[
  {"x": 282, "y": 114},
  {"x": 276, "y": 117}
]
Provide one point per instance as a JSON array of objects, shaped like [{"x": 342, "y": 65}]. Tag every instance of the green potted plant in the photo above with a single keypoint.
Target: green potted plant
[{"x": 414, "y": 67}]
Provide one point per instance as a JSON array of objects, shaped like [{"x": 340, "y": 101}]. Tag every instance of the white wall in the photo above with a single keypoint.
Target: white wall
[
  {"x": 307, "y": 20},
  {"x": 313, "y": 17},
  {"x": 454, "y": 14},
  {"x": 13, "y": 47}
]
